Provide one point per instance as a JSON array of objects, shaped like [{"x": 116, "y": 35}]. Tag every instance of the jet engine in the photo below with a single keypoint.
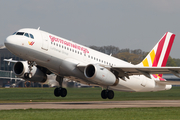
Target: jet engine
[
  {"x": 21, "y": 70},
  {"x": 100, "y": 75}
]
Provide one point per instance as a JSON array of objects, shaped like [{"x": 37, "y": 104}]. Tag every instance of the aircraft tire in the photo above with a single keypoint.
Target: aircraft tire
[
  {"x": 104, "y": 94},
  {"x": 63, "y": 92},
  {"x": 57, "y": 92},
  {"x": 110, "y": 94}
]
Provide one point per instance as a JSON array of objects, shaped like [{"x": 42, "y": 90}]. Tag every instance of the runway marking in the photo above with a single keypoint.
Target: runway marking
[{"x": 91, "y": 104}]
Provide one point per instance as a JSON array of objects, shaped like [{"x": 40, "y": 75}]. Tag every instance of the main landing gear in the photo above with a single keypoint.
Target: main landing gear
[
  {"x": 59, "y": 91},
  {"x": 107, "y": 94}
]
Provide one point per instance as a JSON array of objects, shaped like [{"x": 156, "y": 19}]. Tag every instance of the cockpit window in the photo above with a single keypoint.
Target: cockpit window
[
  {"x": 31, "y": 36},
  {"x": 20, "y": 33},
  {"x": 26, "y": 34},
  {"x": 14, "y": 33}
]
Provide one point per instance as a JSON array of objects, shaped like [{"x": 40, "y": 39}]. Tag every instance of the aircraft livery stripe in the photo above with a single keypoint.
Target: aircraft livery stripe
[
  {"x": 168, "y": 50},
  {"x": 145, "y": 63},
  {"x": 152, "y": 55},
  {"x": 159, "y": 50}
]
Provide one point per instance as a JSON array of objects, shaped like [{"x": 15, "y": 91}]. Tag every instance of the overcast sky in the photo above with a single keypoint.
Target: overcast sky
[{"x": 134, "y": 24}]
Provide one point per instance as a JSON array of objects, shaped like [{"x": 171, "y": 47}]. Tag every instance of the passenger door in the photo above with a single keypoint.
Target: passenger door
[{"x": 45, "y": 41}]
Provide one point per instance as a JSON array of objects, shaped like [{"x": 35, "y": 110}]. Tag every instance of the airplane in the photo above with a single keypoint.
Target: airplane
[{"x": 47, "y": 53}]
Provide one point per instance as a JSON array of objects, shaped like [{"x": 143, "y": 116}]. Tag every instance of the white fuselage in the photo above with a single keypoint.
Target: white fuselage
[{"x": 62, "y": 56}]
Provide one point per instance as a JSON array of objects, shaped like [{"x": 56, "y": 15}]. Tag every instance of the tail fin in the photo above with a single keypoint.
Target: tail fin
[{"x": 158, "y": 56}]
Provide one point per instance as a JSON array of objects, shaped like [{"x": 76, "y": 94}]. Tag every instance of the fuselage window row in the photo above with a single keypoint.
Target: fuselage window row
[{"x": 93, "y": 58}]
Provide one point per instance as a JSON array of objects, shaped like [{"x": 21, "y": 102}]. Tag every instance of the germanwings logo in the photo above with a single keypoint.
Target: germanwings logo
[
  {"x": 67, "y": 43},
  {"x": 31, "y": 43}
]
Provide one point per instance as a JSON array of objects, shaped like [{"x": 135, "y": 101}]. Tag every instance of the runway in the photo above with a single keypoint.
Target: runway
[{"x": 91, "y": 104}]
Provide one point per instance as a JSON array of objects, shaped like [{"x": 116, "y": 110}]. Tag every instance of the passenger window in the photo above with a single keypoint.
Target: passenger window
[
  {"x": 31, "y": 36},
  {"x": 20, "y": 33},
  {"x": 26, "y": 34}
]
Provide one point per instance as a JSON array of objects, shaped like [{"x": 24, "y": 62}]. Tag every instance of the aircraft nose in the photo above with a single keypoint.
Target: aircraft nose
[{"x": 8, "y": 41}]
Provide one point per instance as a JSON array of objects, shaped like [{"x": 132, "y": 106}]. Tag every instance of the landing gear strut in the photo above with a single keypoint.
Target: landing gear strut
[
  {"x": 107, "y": 94},
  {"x": 59, "y": 91},
  {"x": 29, "y": 74}
]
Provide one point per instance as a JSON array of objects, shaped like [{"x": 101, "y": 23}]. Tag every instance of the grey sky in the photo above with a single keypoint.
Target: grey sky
[{"x": 134, "y": 24}]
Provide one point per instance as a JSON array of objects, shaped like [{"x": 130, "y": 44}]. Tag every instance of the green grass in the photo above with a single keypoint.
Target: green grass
[
  {"x": 11, "y": 95},
  {"x": 80, "y": 94},
  {"x": 93, "y": 114}
]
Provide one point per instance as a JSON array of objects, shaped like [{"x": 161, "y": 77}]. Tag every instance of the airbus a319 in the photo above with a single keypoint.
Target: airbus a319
[{"x": 46, "y": 53}]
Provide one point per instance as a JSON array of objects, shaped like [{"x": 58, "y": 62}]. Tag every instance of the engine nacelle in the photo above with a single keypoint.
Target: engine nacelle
[
  {"x": 21, "y": 68},
  {"x": 100, "y": 75}
]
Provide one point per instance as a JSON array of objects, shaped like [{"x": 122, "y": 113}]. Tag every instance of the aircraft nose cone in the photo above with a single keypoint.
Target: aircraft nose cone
[{"x": 10, "y": 42}]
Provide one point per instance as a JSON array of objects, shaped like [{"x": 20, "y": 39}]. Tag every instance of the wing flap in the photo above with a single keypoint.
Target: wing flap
[{"x": 136, "y": 70}]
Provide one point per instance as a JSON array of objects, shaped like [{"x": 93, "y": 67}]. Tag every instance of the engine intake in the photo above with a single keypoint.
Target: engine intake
[{"x": 20, "y": 69}]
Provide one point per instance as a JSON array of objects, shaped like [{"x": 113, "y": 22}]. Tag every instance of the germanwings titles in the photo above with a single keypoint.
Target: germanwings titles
[{"x": 46, "y": 54}]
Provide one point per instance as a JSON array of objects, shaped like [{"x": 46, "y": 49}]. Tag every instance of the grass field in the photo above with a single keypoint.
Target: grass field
[
  {"x": 11, "y": 95},
  {"x": 93, "y": 114},
  {"x": 80, "y": 94}
]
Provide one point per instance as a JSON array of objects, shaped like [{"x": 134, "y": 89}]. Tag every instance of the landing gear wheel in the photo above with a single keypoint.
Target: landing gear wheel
[
  {"x": 60, "y": 92},
  {"x": 104, "y": 94},
  {"x": 110, "y": 94},
  {"x": 63, "y": 92},
  {"x": 107, "y": 94},
  {"x": 27, "y": 75},
  {"x": 57, "y": 92}
]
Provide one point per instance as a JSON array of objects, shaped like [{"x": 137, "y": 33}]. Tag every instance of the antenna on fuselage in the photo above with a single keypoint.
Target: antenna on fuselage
[{"x": 38, "y": 28}]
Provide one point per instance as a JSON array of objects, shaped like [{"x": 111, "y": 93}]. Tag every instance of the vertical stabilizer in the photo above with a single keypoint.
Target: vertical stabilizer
[{"x": 158, "y": 56}]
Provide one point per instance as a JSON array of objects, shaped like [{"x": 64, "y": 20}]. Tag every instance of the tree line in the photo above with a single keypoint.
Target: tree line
[{"x": 133, "y": 56}]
